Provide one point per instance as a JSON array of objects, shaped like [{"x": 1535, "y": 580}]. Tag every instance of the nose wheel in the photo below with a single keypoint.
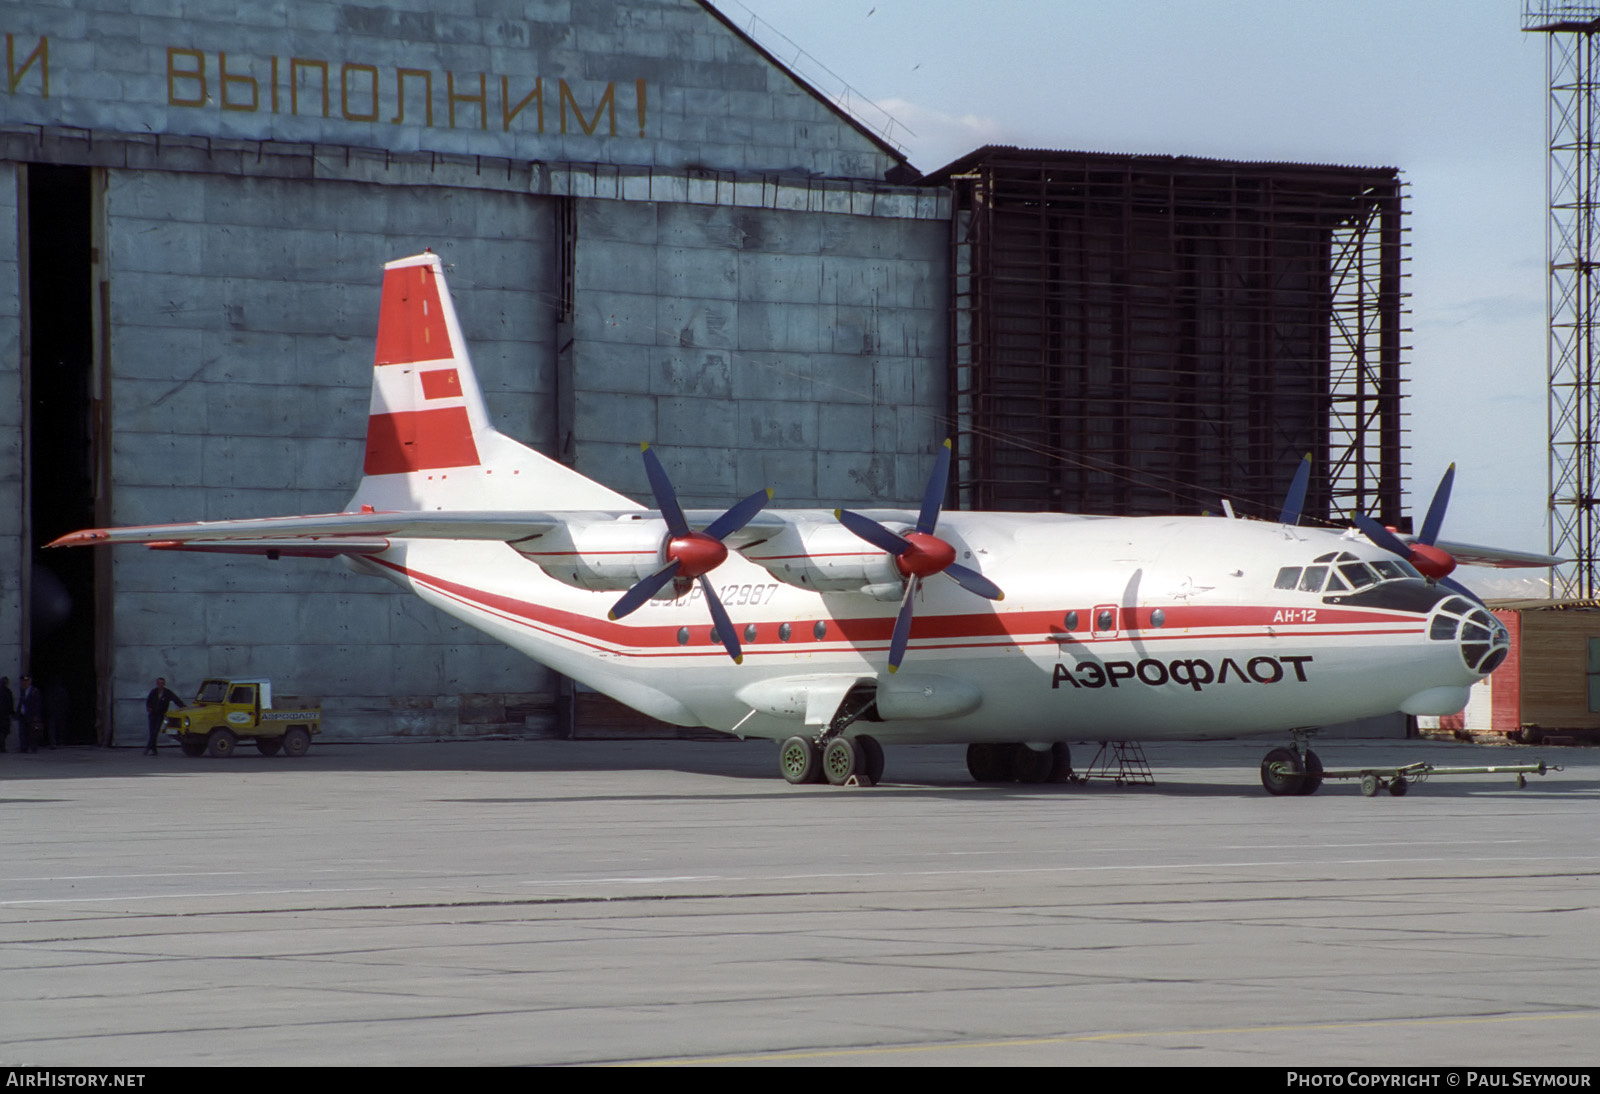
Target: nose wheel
[{"x": 1291, "y": 771}]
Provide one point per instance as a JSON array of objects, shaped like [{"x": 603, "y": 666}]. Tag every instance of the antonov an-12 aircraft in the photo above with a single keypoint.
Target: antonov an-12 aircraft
[{"x": 837, "y": 632}]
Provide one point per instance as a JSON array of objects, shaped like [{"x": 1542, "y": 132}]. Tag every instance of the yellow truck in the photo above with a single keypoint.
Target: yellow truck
[{"x": 226, "y": 712}]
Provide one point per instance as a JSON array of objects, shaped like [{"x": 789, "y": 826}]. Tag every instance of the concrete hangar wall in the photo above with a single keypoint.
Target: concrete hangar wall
[{"x": 656, "y": 234}]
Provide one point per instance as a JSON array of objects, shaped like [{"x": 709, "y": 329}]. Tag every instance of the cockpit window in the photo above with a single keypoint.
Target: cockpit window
[
  {"x": 1346, "y": 574},
  {"x": 1358, "y": 575}
]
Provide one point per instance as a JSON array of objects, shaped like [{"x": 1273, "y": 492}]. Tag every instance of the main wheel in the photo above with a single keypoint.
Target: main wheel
[
  {"x": 871, "y": 757},
  {"x": 988, "y": 763},
  {"x": 1061, "y": 763},
  {"x": 296, "y": 739},
  {"x": 840, "y": 760},
  {"x": 269, "y": 746},
  {"x": 1030, "y": 765},
  {"x": 799, "y": 760},
  {"x": 221, "y": 743},
  {"x": 192, "y": 744},
  {"x": 1313, "y": 779},
  {"x": 1282, "y": 773}
]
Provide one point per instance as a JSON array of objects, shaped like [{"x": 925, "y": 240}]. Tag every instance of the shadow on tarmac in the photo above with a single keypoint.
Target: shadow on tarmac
[{"x": 936, "y": 769}]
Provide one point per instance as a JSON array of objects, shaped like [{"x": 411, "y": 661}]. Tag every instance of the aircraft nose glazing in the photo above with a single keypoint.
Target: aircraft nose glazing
[{"x": 1484, "y": 641}]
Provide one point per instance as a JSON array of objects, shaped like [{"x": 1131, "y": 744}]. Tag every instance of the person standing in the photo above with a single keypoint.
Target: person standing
[
  {"x": 155, "y": 706},
  {"x": 8, "y": 710},
  {"x": 30, "y": 716}
]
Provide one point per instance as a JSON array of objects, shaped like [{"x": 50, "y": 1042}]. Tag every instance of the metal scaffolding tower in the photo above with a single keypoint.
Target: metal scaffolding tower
[
  {"x": 1136, "y": 335},
  {"x": 1572, "y": 173}
]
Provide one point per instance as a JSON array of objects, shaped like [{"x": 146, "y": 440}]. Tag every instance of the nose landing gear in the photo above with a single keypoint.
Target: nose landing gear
[{"x": 1295, "y": 770}]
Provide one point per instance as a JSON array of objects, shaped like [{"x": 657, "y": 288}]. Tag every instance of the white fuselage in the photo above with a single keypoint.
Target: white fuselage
[{"x": 1111, "y": 629}]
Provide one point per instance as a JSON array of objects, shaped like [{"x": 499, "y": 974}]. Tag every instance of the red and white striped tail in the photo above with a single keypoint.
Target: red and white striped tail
[
  {"x": 429, "y": 441},
  {"x": 426, "y": 407}
]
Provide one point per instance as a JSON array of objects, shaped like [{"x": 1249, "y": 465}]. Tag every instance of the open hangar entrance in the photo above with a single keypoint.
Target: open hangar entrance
[{"x": 62, "y": 440}]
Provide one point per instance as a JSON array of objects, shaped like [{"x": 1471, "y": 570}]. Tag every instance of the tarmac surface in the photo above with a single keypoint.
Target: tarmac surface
[{"x": 557, "y": 902}]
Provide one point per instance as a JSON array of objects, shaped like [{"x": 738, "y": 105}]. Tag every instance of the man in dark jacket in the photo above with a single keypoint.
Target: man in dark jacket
[
  {"x": 30, "y": 716},
  {"x": 155, "y": 706}
]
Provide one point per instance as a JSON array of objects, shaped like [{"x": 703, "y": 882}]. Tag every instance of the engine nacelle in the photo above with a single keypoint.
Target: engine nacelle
[
  {"x": 827, "y": 557},
  {"x": 606, "y": 555}
]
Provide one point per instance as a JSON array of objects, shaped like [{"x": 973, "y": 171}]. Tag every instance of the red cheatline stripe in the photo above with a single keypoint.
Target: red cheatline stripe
[
  {"x": 419, "y": 440},
  {"x": 411, "y": 323},
  {"x": 976, "y": 630}
]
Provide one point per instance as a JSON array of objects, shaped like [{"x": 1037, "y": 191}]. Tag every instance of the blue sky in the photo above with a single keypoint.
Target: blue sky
[{"x": 1452, "y": 93}]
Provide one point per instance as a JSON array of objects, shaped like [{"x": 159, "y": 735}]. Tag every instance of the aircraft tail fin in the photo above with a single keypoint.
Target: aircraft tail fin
[{"x": 430, "y": 444}]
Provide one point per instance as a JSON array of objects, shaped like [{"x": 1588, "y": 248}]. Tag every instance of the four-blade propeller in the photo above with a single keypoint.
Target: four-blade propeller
[
  {"x": 919, "y": 554},
  {"x": 1432, "y": 562},
  {"x": 690, "y": 554}
]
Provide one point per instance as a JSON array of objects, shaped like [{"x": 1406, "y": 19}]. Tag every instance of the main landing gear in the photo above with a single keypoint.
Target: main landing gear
[
  {"x": 1293, "y": 770},
  {"x": 1002, "y": 763},
  {"x": 839, "y": 761},
  {"x": 830, "y": 755}
]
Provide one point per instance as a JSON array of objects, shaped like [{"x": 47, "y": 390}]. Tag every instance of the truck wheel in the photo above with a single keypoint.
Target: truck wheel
[
  {"x": 269, "y": 746},
  {"x": 296, "y": 741},
  {"x": 221, "y": 743}
]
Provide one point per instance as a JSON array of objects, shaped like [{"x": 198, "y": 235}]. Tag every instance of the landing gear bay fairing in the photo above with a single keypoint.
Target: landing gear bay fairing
[{"x": 838, "y": 632}]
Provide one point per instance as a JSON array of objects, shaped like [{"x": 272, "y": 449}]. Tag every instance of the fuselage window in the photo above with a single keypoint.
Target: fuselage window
[
  {"x": 683, "y": 636},
  {"x": 1288, "y": 578},
  {"x": 784, "y": 631},
  {"x": 1072, "y": 621},
  {"x": 1312, "y": 581},
  {"x": 820, "y": 630}
]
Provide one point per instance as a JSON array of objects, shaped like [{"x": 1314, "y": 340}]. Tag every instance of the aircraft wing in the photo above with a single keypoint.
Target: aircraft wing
[
  {"x": 328, "y": 535},
  {"x": 1472, "y": 555}
]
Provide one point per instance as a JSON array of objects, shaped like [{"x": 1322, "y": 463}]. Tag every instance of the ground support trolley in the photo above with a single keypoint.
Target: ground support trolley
[{"x": 1399, "y": 779}]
